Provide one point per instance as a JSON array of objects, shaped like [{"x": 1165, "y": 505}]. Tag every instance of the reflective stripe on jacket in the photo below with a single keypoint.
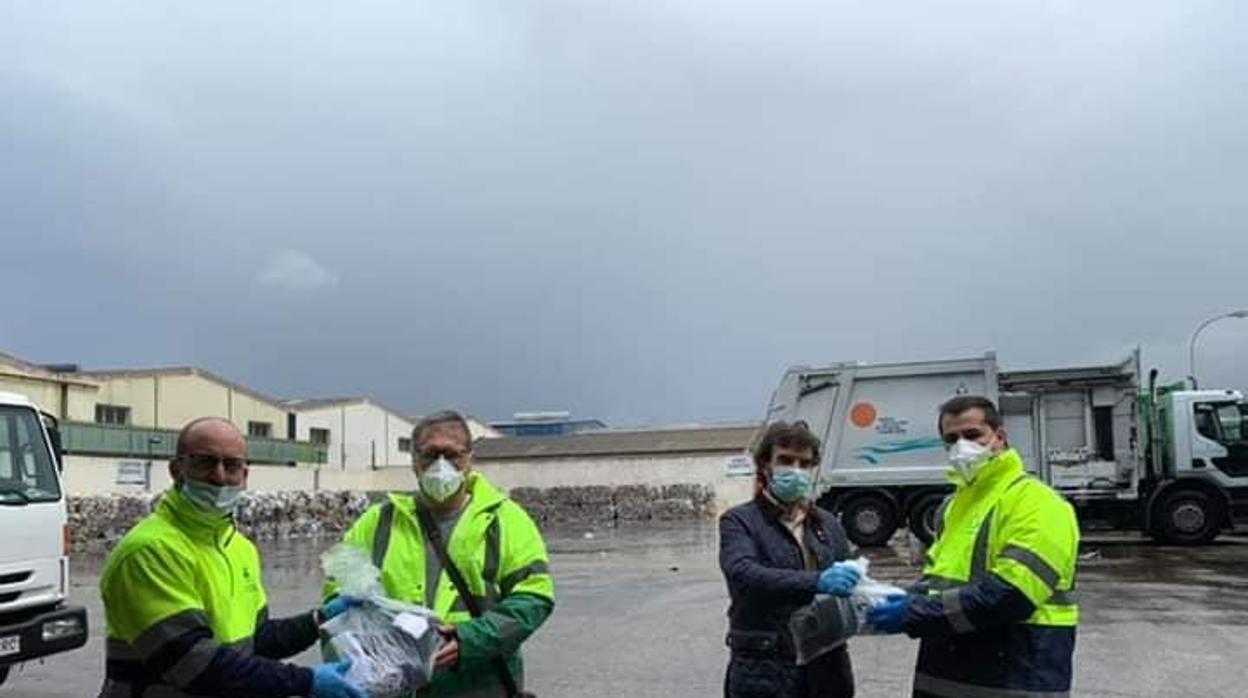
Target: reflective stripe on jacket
[
  {"x": 181, "y": 570},
  {"x": 1007, "y": 539},
  {"x": 503, "y": 559}
]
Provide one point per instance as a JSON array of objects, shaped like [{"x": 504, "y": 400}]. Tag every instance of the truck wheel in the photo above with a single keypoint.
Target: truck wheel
[
  {"x": 4, "y": 673},
  {"x": 1189, "y": 517},
  {"x": 922, "y": 519},
  {"x": 869, "y": 520}
]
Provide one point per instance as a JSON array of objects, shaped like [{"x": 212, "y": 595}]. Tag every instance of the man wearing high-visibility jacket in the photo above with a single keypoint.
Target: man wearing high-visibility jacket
[
  {"x": 995, "y": 609},
  {"x": 185, "y": 607},
  {"x": 491, "y": 541}
]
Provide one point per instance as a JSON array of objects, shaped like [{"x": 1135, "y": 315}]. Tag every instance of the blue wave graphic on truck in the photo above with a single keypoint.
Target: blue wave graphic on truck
[{"x": 873, "y": 454}]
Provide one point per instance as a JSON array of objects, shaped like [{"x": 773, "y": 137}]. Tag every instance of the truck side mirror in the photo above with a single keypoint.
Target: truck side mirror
[{"x": 54, "y": 435}]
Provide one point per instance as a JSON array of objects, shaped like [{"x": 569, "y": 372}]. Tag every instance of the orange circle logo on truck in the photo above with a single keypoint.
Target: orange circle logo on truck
[{"x": 862, "y": 415}]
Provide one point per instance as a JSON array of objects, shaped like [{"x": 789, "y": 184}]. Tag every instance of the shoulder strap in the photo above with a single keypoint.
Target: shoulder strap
[
  {"x": 461, "y": 586},
  {"x": 381, "y": 535}
]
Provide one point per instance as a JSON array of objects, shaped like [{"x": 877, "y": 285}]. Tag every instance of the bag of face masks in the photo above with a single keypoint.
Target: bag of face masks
[
  {"x": 829, "y": 621},
  {"x": 867, "y": 593},
  {"x": 391, "y": 644}
]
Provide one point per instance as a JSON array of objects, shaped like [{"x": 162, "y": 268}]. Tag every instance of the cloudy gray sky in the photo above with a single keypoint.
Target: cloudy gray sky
[{"x": 641, "y": 211}]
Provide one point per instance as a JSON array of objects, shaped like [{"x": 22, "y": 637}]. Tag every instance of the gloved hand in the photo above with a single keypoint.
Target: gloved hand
[
  {"x": 330, "y": 681},
  {"x": 839, "y": 579},
  {"x": 888, "y": 615},
  {"x": 337, "y": 605}
]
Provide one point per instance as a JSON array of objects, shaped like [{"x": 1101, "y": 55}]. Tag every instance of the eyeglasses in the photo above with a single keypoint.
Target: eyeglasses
[
  {"x": 203, "y": 463},
  {"x": 431, "y": 455}
]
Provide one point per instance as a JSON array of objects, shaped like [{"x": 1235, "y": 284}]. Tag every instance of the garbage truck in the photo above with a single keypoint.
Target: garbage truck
[
  {"x": 1168, "y": 461},
  {"x": 35, "y": 618}
]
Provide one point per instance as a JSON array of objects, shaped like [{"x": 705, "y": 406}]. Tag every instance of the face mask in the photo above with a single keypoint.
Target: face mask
[
  {"x": 221, "y": 499},
  {"x": 790, "y": 485},
  {"x": 441, "y": 481},
  {"x": 966, "y": 457}
]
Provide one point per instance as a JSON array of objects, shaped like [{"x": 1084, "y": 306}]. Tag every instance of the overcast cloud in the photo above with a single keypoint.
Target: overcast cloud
[{"x": 640, "y": 211}]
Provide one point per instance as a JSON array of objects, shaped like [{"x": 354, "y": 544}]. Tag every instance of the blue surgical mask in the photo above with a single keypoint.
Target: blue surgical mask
[
  {"x": 791, "y": 485},
  {"x": 222, "y": 499}
]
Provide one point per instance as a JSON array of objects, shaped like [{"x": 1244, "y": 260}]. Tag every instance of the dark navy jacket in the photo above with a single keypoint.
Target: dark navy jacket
[{"x": 767, "y": 581}]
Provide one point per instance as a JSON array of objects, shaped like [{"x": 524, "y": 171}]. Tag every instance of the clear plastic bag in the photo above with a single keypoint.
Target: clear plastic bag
[
  {"x": 821, "y": 626},
  {"x": 829, "y": 621},
  {"x": 867, "y": 593},
  {"x": 391, "y": 644}
]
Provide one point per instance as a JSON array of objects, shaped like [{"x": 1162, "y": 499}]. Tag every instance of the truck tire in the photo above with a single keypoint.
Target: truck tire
[
  {"x": 4, "y": 673},
  {"x": 922, "y": 518},
  {"x": 1188, "y": 517},
  {"x": 869, "y": 520}
]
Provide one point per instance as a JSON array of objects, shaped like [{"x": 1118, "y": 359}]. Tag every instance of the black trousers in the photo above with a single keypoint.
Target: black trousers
[{"x": 754, "y": 676}]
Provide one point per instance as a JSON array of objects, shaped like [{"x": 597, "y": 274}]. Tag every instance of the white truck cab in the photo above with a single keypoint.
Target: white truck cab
[{"x": 35, "y": 620}]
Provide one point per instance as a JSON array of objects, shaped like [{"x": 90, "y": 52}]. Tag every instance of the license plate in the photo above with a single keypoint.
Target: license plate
[{"x": 10, "y": 645}]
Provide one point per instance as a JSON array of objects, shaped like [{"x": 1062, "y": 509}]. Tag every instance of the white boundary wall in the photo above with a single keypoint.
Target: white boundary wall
[{"x": 728, "y": 474}]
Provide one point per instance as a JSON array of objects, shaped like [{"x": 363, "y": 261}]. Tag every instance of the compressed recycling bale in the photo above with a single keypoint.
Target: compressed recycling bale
[
  {"x": 599, "y": 504},
  {"x": 673, "y": 510},
  {"x": 99, "y": 521}
]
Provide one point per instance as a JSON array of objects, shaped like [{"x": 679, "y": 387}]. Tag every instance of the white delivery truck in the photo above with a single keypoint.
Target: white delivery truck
[
  {"x": 1171, "y": 462},
  {"x": 35, "y": 620}
]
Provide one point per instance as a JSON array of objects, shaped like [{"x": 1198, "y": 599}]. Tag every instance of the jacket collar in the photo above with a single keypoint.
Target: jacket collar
[
  {"x": 196, "y": 522},
  {"x": 772, "y": 511}
]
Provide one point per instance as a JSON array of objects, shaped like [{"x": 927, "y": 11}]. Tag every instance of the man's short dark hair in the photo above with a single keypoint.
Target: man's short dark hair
[
  {"x": 795, "y": 435},
  {"x": 425, "y": 425},
  {"x": 962, "y": 403}
]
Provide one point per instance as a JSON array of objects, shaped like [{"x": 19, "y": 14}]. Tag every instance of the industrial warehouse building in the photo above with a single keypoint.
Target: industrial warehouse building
[
  {"x": 119, "y": 427},
  {"x": 357, "y": 432}
]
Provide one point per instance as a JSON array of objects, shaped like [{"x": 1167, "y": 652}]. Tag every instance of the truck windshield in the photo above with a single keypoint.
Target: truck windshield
[{"x": 27, "y": 473}]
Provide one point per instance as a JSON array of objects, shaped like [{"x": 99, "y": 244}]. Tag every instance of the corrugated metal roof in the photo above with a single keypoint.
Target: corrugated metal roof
[
  {"x": 619, "y": 443},
  {"x": 324, "y": 402},
  {"x": 315, "y": 403},
  {"x": 179, "y": 371},
  {"x": 33, "y": 370}
]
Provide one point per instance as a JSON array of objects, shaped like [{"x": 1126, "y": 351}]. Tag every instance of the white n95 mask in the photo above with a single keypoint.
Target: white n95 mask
[
  {"x": 441, "y": 481},
  {"x": 967, "y": 457}
]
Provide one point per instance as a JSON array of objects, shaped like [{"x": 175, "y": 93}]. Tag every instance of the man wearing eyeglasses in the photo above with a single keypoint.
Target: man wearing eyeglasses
[
  {"x": 184, "y": 603},
  {"x": 488, "y": 539}
]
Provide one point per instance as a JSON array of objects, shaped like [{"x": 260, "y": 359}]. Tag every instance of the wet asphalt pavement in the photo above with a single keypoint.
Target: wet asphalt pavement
[{"x": 640, "y": 612}]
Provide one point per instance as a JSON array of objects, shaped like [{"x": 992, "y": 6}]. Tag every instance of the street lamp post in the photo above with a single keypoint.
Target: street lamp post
[{"x": 1191, "y": 357}]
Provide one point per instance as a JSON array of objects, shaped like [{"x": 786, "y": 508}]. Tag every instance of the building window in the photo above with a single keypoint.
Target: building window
[
  {"x": 319, "y": 436},
  {"x": 112, "y": 414},
  {"x": 1103, "y": 429},
  {"x": 405, "y": 444},
  {"x": 260, "y": 430}
]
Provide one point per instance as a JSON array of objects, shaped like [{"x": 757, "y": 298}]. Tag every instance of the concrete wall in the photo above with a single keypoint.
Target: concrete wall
[
  {"x": 90, "y": 475},
  {"x": 169, "y": 401},
  {"x": 616, "y": 471},
  {"x": 362, "y": 436}
]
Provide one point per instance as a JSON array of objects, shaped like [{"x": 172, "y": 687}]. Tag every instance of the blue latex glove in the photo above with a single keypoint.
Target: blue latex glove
[
  {"x": 330, "y": 681},
  {"x": 337, "y": 605},
  {"x": 888, "y": 615},
  {"x": 839, "y": 579}
]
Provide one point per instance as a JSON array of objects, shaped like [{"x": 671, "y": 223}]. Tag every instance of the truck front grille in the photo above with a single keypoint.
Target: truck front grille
[{"x": 15, "y": 577}]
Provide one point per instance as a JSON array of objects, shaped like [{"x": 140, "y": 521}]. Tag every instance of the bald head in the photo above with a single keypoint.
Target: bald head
[
  {"x": 211, "y": 450},
  {"x": 214, "y": 431}
]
